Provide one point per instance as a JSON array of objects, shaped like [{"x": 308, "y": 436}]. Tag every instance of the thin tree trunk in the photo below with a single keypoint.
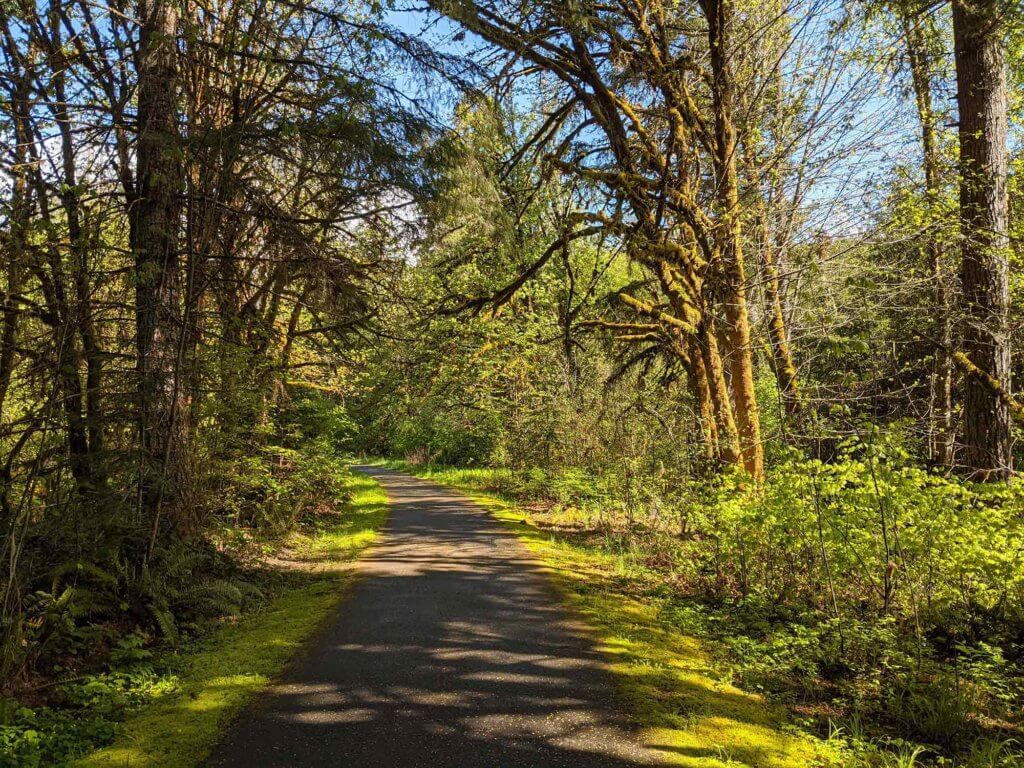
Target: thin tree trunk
[
  {"x": 734, "y": 295},
  {"x": 728, "y": 437},
  {"x": 82, "y": 315},
  {"x": 60, "y": 317},
  {"x": 285, "y": 358},
  {"x": 782, "y": 356},
  {"x": 14, "y": 266},
  {"x": 701, "y": 392},
  {"x": 771, "y": 246},
  {"x": 981, "y": 96},
  {"x": 940, "y": 432}
]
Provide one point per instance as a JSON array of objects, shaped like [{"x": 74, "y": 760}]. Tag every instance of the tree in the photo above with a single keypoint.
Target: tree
[
  {"x": 662, "y": 115},
  {"x": 921, "y": 41},
  {"x": 979, "y": 46},
  {"x": 719, "y": 15},
  {"x": 155, "y": 211}
]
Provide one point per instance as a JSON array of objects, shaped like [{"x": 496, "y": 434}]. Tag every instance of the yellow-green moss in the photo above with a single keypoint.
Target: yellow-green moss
[
  {"x": 685, "y": 707},
  {"x": 224, "y": 673}
]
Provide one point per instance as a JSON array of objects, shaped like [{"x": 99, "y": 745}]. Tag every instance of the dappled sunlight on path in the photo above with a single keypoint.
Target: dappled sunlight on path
[{"x": 453, "y": 650}]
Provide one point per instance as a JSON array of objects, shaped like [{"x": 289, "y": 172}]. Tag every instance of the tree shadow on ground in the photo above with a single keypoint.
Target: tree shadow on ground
[{"x": 454, "y": 650}]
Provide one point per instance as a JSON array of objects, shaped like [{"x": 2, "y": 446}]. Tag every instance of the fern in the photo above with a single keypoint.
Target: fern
[
  {"x": 81, "y": 569},
  {"x": 212, "y": 597},
  {"x": 166, "y": 623}
]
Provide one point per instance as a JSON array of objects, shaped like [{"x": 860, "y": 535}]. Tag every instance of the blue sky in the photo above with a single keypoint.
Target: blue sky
[{"x": 881, "y": 131}]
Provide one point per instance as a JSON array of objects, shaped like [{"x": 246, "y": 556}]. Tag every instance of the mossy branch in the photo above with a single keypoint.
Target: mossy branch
[
  {"x": 990, "y": 381},
  {"x": 653, "y": 312},
  {"x": 628, "y": 327},
  {"x": 965, "y": 364}
]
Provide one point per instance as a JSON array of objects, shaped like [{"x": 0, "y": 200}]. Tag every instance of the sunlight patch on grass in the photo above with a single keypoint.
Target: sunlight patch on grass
[
  {"x": 353, "y": 532},
  {"x": 230, "y": 667},
  {"x": 686, "y": 707}
]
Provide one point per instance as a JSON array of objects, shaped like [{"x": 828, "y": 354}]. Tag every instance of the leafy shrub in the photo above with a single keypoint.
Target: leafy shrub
[
  {"x": 870, "y": 587},
  {"x": 48, "y": 736},
  {"x": 273, "y": 488},
  {"x": 317, "y": 417},
  {"x": 436, "y": 434}
]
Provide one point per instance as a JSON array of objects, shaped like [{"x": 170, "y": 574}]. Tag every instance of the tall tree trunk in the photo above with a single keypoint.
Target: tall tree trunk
[
  {"x": 916, "y": 32},
  {"x": 734, "y": 292},
  {"x": 154, "y": 222},
  {"x": 981, "y": 96},
  {"x": 67, "y": 360},
  {"x": 285, "y": 357},
  {"x": 14, "y": 267},
  {"x": 701, "y": 393},
  {"x": 81, "y": 316},
  {"x": 770, "y": 222}
]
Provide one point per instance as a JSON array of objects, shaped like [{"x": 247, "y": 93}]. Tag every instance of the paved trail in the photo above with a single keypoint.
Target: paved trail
[{"x": 452, "y": 650}]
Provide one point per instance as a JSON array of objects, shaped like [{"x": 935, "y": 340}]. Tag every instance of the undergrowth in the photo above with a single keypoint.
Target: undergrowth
[
  {"x": 925, "y": 670},
  {"x": 164, "y": 707},
  {"x": 154, "y": 657}
]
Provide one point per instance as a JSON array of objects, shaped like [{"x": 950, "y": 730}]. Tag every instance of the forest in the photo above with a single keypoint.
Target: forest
[{"x": 722, "y": 298}]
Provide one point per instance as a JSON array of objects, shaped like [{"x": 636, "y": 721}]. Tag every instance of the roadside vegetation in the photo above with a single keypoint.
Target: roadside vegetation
[
  {"x": 686, "y": 702},
  {"x": 224, "y": 620},
  {"x": 702, "y": 667}
]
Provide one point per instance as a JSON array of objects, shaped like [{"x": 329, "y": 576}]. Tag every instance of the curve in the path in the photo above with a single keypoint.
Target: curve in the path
[{"x": 452, "y": 650}]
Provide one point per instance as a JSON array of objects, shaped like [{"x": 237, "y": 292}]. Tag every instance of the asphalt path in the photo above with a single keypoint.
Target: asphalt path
[{"x": 452, "y": 649}]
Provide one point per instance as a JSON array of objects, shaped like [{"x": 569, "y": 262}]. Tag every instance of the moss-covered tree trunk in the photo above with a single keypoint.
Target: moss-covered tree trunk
[
  {"x": 729, "y": 450},
  {"x": 778, "y": 337},
  {"x": 730, "y": 245},
  {"x": 154, "y": 224}
]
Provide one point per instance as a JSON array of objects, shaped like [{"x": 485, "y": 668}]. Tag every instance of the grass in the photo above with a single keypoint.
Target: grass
[
  {"x": 686, "y": 706},
  {"x": 227, "y": 669}
]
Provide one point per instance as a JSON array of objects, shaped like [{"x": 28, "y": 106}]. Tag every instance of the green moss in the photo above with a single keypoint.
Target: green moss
[
  {"x": 227, "y": 669},
  {"x": 686, "y": 707}
]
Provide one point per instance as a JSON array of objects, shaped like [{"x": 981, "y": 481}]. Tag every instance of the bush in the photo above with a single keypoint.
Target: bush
[
  {"x": 89, "y": 708},
  {"x": 437, "y": 435},
  {"x": 865, "y": 586}
]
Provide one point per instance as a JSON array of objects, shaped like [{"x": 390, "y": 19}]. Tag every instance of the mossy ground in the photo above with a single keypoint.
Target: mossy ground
[
  {"x": 687, "y": 708},
  {"x": 223, "y": 673}
]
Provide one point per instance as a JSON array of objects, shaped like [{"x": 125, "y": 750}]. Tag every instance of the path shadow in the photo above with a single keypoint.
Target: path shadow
[{"x": 451, "y": 650}]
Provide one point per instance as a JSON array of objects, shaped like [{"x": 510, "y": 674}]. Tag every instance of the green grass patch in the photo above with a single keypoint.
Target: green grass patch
[
  {"x": 224, "y": 671},
  {"x": 687, "y": 707},
  {"x": 342, "y": 540}
]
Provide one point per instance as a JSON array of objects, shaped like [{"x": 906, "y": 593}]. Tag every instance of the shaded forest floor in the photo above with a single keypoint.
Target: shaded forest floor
[{"x": 164, "y": 707}]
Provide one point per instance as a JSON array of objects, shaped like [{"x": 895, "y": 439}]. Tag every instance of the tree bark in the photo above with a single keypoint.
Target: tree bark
[
  {"x": 981, "y": 96},
  {"x": 154, "y": 223},
  {"x": 14, "y": 264},
  {"x": 81, "y": 316},
  {"x": 729, "y": 449},
  {"x": 734, "y": 292},
  {"x": 778, "y": 338},
  {"x": 701, "y": 392}
]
